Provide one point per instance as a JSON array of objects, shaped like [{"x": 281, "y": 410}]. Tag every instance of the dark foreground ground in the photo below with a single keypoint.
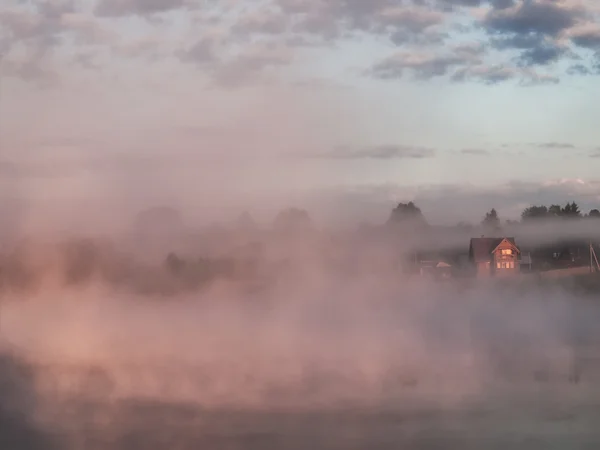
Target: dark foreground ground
[
  {"x": 526, "y": 415},
  {"x": 152, "y": 426}
]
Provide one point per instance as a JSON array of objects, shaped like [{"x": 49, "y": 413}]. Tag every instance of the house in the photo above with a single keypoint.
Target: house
[
  {"x": 526, "y": 262},
  {"x": 561, "y": 255},
  {"x": 436, "y": 269},
  {"x": 495, "y": 256}
]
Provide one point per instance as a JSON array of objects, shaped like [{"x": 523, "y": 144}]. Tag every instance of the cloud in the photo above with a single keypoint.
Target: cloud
[
  {"x": 41, "y": 26},
  {"x": 119, "y": 8},
  {"x": 555, "y": 145},
  {"x": 240, "y": 68},
  {"x": 586, "y": 35},
  {"x": 534, "y": 17},
  {"x": 201, "y": 52},
  {"x": 579, "y": 69},
  {"x": 498, "y": 73},
  {"x": 423, "y": 65},
  {"x": 461, "y": 64},
  {"x": 521, "y": 36},
  {"x": 378, "y": 152},
  {"x": 34, "y": 37},
  {"x": 542, "y": 31},
  {"x": 266, "y": 20},
  {"x": 475, "y": 152}
]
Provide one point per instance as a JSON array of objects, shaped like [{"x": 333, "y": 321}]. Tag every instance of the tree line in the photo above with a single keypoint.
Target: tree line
[
  {"x": 411, "y": 213},
  {"x": 570, "y": 210}
]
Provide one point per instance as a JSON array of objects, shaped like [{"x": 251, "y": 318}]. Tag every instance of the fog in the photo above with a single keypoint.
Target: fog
[{"x": 295, "y": 321}]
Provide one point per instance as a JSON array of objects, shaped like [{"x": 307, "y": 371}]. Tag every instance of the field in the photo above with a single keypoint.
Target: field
[
  {"x": 469, "y": 364},
  {"x": 527, "y": 412}
]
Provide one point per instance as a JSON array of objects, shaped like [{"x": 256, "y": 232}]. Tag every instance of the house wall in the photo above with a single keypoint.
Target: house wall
[
  {"x": 505, "y": 264},
  {"x": 484, "y": 269}
]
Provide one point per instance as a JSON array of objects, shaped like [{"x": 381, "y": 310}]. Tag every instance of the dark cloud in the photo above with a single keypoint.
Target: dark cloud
[
  {"x": 484, "y": 74},
  {"x": 202, "y": 52},
  {"x": 535, "y": 49},
  {"x": 379, "y": 152},
  {"x": 518, "y": 41},
  {"x": 36, "y": 32},
  {"x": 539, "y": 32},
  {"x": 415, "y": 20},
  {"x": 119, "y": 8},
  {"x": 268, "y": 21},
  {"x": 243, "y": 67},
  {"x": 39, "y": 29},
  {"x": 537, "y": 29},
  {"x": 588, "y": 38},
  {"x": 404, "y": 37},
  {"x": 502, "y": 4},
  {"x": 452, "y": 5},
  {"x": 423, "y": 66},
  {"x": 555, "y": 145},
  {"x": 579, "y": 69},
  {"x": 544, "y": 17},
  {"x": 541, "y": 55},
  {"x": 31, "y": 69},
  {"x": 463, "y": 63},
  {"x": 310, "y": 21}
]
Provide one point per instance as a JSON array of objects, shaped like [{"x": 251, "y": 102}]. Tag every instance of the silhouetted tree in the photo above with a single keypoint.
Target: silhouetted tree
[
  {"x": 174, "y": 263},
  {"x": 293, "y": 219},
  {"x": 555, "y": 211},
  {"x": 405, "y": 213},
  {"x": 534, "y": 212},
  {"x": 246, "y": 222},
  {"x": 491, "y": 219},
  {"x": 571, "y": 210},
  {"x": 594, "y": 214}
]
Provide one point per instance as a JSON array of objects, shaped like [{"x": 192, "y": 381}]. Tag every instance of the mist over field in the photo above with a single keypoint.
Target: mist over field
[{"x": 282, "y": 336}]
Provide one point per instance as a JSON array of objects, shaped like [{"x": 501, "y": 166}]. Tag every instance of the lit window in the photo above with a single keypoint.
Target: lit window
[
  {"x": 499, "y": 265},
  {"x": 506, "y": 251}
]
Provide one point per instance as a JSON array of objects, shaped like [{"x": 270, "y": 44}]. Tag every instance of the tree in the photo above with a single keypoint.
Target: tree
[
  {"x": 405, "y": 213},
  {"x": 174, "y": 263},
  {"x": 571, "y": 211},
  {"x": 555, "y": 211},
  {"x": 534, "y": 212},
  {"x": 246, "y": 222},
  {"x": 293, "y": 219},
  {"x": 491, "y": 219}
]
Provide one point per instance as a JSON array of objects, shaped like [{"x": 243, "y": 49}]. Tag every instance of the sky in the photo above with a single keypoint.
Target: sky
[{"x": 344, "y": 107}]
